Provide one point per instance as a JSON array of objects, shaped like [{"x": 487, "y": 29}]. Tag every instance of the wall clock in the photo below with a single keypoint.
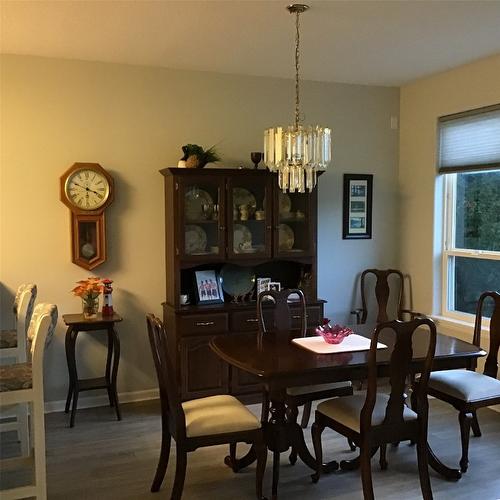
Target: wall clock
[{"x": 87, "y": 190}]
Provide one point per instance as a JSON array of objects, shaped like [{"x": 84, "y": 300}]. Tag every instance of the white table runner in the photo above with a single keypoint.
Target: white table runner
[{"x": 351, "y": 343}]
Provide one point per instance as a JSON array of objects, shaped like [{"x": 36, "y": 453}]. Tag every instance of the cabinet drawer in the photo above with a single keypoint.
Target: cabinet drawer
[
  {"x": 244, "y": 321},
  {"x": 313, "y": 317},
  {"x": 201, "y": 324}
]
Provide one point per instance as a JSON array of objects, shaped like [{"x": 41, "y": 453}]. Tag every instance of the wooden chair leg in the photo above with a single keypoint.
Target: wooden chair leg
[
  {"x": 316, "y": 431},
  {"x": 276, "y": 474},
  {"x": 292, "y": 414},
  {"x": 264, "y": 415},
  {"x": 475, "y": 425},
  {"x": 366, "y": 472},
  {"x": 306, "y": 414},
  {"x": 261, "y": 451},
  {"x": 39, "y": 447},
  {"x": 180, "y": 474},
  {"x": 383, "y": 459},
  {"x": 161, "y": 468},
  {"x": 232, "y": 456},
  {"x": 464, "y": 420},
  {"x": 423, "y": 468}
]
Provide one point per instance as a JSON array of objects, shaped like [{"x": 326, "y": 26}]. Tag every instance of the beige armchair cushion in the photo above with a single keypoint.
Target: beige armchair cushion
[
  {"x": 465, "y": 385},
  {"x": 16, "y": 377},
  {"x": 8, "y": 339},
  {"x": 346, "y": 410},
  {"x": 217, "y": 415},
  {"x": 309, "y": 389}
]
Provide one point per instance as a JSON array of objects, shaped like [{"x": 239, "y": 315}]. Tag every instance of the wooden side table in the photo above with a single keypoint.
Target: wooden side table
[{"x": 77, "y": 323}]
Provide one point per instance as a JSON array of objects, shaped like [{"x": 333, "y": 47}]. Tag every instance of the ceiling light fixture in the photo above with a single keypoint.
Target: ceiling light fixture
[{"x": 297, "y": 152}]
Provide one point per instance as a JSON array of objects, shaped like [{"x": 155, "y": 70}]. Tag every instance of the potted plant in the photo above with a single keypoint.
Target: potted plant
[
  {"x": 196, "y": 157},
  {"x": 89, "y": 290}
]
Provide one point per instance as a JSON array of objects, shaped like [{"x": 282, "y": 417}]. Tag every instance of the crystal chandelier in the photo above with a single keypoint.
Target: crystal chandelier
[{"x": 298, "y": 151}]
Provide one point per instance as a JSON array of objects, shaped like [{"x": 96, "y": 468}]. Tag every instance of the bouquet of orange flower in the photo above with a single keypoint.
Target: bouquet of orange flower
[{"x": 89, "y": 291}]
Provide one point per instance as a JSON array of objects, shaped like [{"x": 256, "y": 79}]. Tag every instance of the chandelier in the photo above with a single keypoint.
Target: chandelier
[{"x": 297, "y": 152}]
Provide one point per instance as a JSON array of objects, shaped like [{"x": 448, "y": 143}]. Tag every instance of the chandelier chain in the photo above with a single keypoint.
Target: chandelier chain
[{"x": 297, "y": 68}]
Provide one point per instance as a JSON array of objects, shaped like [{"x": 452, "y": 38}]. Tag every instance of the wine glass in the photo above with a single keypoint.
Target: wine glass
[{"x": 256, "y": 157}]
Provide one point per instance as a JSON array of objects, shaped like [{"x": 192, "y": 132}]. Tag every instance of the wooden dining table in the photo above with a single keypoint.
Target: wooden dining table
[{"x": 280, "y": 364}]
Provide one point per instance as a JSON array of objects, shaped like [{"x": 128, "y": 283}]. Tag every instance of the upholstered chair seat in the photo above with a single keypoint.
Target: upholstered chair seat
[
  {"x": 217, "y": 415},
  {"x": 16, "y": 377},
  {"x": 8, "y": 339},
  {"x": 346, "y": 410},
  {"x": 465, "y": 385}
]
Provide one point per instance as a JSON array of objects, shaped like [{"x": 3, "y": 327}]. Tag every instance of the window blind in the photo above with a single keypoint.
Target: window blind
[{"x": 470, "y": 141}]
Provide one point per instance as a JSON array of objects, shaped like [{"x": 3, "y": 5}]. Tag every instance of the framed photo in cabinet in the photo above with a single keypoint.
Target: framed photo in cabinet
[
  {"x": 208, "y": 287},
  {"x": 357, "y": 206}
]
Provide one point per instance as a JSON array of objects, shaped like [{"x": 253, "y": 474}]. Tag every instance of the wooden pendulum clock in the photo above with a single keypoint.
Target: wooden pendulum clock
[{"x": 87, "y": 190}]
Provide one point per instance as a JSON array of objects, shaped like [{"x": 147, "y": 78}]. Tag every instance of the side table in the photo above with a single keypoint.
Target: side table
[{"x": 77, "y": 323}]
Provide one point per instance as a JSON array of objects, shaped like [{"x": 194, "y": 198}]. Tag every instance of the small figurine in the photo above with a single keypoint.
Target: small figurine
[{"x": 107, "y": 305}]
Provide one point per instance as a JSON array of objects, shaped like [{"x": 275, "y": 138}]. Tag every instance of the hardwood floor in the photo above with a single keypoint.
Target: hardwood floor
[{"x": 101, "y": 458}]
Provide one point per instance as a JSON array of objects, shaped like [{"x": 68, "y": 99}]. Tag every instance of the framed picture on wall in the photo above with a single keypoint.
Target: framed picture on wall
[{"x": 357, "y": 206}]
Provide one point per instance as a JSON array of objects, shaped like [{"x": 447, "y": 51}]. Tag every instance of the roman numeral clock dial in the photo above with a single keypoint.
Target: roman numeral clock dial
[{"x": 87, "y": 189}]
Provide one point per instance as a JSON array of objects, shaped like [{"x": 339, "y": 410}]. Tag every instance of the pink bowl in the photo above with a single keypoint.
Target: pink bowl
[{"x": 333, "y": 334}]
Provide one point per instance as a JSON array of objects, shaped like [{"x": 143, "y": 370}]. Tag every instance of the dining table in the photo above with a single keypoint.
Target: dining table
[{"x": 279, "y": 364}]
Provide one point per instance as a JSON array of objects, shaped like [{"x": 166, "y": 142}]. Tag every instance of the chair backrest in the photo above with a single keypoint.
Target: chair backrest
[
  {"x": 382, "y": 293},
  {"x": 491, "y": 363},
  {"x": 40, "y": 332},
  {"x": 399, "y": 369},
  {"x": 282, "y": 311},
  {"x": 23, "y": 307},
  {"x": 167, "y": 381}
]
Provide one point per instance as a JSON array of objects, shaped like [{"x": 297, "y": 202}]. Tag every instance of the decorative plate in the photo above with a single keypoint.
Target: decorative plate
[
  {"x": 237, "y": 280},
  {"x": 242, "y": 239},
  {"x": 194, "y": 200},
  {"x": 242, "y": 196},
  {"x": 286, "y": 237},
  {"x": 285, "y": 204},
  {"x": 195, "y": 240}
]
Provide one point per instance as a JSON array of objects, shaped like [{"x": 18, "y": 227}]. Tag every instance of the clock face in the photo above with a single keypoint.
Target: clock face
[{"x": 87, "y": 189}]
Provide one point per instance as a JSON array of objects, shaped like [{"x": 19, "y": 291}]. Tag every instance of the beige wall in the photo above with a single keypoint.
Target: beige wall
[
  {"x": 133, "y": 121},
  {"x": 422, "y": 102}
]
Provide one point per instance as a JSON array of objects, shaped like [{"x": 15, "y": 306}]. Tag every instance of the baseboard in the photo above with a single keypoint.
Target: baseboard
[{"x": 102, "y": 400}]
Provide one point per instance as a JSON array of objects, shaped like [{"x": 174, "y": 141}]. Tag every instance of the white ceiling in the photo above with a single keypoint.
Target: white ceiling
[{"x": 366, "y": 42}]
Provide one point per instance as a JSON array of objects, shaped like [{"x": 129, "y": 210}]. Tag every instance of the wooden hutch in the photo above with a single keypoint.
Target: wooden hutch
[{"x": 239, "y": 224}]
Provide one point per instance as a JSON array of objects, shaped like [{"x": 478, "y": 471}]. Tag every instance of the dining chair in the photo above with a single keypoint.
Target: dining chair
[
  {"x": 23, "y": 383},
  {"x": 208, "y": 421},
  {"x": 13, "y": 350},
  {"x": 468, "y": 390},
  {"x": 376, "y": 419},
  {"x": 280, "y": 324},
  {"x": 385, "y": 296}
]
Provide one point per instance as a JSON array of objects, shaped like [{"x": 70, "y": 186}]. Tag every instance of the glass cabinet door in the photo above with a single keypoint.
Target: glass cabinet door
[
  {"x": 249, "y": 216},
  {"x": 294, "y": 233},
  {"x": 201, "y": 205}
]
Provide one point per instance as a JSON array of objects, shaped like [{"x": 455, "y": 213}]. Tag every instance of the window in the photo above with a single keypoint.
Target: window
[{"x": 469, "y": 156}]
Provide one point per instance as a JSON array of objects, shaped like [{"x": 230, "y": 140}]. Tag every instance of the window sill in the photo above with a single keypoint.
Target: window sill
[{"x": 464, "y": 330}]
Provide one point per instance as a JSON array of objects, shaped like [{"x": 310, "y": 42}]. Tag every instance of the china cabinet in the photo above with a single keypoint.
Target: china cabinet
[{"x": 234, "y": 226}]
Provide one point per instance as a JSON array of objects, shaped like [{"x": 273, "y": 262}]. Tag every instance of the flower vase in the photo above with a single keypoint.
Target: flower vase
[{"x": 90, "y": 307}]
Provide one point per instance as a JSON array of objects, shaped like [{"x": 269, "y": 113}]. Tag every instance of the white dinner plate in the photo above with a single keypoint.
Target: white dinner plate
[
  {"x": 194, "y": 200},
  {"x": 195, "y": 240},
  {"x": 286, "y": 237}
]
